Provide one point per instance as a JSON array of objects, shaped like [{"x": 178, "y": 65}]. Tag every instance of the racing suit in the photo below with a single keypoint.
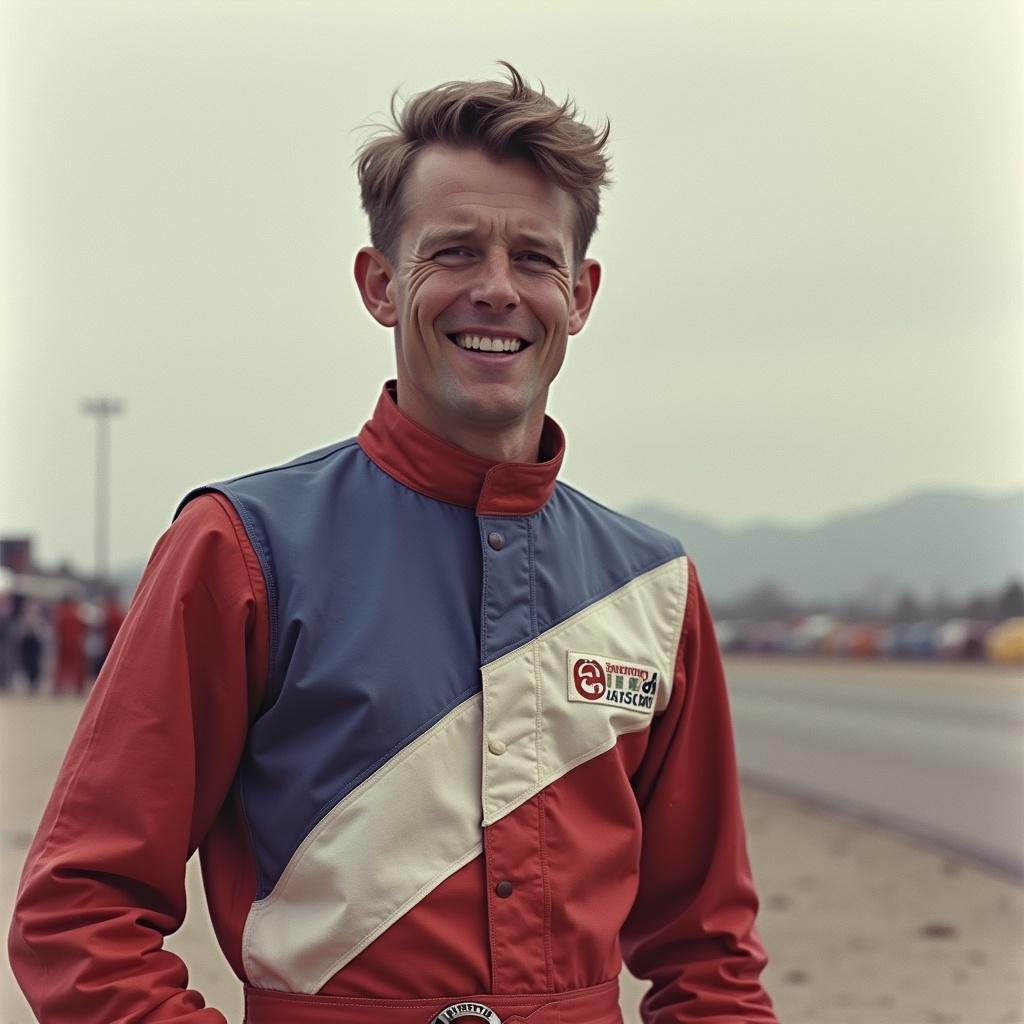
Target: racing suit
[{"x": 442, "y": 730}]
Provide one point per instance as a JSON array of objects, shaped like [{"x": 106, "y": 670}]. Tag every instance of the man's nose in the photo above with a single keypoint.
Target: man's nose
[{"x": 495, "y": 284}]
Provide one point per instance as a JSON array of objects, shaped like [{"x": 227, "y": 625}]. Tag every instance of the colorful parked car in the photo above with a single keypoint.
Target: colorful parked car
[{"x": 1005, "y": 643}]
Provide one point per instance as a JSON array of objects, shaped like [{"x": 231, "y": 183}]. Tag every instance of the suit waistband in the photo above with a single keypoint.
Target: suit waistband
[{"x": 596, "y": 1005}]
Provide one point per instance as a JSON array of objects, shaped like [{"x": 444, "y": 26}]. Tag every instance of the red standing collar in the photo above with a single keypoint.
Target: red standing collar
[{"x": 423, "y": 461}]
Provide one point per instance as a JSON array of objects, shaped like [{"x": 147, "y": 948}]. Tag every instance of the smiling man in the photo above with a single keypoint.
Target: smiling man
[{"x": 452, "y": 739}]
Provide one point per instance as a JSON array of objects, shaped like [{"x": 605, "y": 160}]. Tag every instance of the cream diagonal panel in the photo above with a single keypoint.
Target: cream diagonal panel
[
  {"x": 392, "y": 840},
  {"x": 527, "y": 714}
]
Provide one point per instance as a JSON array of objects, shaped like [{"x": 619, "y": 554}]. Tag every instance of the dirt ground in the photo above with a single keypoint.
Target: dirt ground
[{"x": 863, "y": 926}]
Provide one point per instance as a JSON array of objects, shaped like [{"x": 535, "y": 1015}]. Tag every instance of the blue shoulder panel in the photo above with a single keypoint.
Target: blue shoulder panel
[
  {"x": 567, "y": 556},
  {"x": 376, "y": 594}
]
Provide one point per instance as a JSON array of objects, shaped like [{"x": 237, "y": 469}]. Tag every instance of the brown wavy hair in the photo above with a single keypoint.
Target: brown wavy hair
[{"x": 504, "y": 119}]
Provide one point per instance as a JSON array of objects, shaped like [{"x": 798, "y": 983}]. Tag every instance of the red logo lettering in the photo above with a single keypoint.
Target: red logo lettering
[{"x": 588, "y": 678}]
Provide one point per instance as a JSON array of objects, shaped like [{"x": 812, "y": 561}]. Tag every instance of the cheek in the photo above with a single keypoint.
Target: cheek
[
  {"x": 550, "y": 297},
  {"x": 427, "y": 294},
  {"x": 554, "y": 310},
  {"x": 562, "y": 285}
]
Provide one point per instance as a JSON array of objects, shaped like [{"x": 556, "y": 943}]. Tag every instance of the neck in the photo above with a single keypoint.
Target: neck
[
  {"x": 515, "y": 441},
  {"x": 520, "y": 443}
]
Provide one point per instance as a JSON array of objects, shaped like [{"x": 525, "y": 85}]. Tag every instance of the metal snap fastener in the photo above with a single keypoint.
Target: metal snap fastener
[
  {"x": 504, "y": 889},
  {"x": 496, "y": 540},
  {"x": 497, "y": 747}
]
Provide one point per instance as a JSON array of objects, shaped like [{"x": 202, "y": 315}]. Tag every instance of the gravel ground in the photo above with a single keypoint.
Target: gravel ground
[{"x": 863, "y": 926}]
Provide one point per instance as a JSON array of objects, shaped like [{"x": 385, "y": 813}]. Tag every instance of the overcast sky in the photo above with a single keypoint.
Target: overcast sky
[{"x": 811, "y": 299}]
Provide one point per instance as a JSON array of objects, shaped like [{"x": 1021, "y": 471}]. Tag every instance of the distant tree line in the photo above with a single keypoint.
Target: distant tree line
[{"x": 769, "y": 602}]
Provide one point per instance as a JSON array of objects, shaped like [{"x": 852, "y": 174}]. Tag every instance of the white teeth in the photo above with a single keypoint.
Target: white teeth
[{"x": 482, "y": 343}]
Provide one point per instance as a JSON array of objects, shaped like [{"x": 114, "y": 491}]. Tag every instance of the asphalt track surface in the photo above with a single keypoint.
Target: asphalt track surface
[{"x": 935, "y": 751}]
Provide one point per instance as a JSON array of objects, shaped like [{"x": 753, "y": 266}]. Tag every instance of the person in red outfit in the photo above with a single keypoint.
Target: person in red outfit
[
  {"x": 70, "y": 673},
  {"x": 452, "y": 738}
]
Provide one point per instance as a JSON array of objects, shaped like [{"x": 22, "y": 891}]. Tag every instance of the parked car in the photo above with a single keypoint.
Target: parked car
[
  {"x": 961, "y": 638},
  {"x": 1005, "y": 643},
  {"x": 908, "y": 640}
]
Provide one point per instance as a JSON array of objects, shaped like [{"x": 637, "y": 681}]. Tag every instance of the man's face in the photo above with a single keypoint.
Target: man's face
[{"x": 484, "y": 262}]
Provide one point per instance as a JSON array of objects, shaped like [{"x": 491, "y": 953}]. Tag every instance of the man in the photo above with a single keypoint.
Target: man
[{"x": 447, "y": 734}]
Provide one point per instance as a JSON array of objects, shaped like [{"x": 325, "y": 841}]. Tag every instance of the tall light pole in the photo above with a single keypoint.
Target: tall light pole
[{"x": 102, "y": 409}]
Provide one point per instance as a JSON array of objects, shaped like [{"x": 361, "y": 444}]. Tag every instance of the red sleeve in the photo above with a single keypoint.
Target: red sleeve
[
  {"x": 691, "y": 930},
  {"x": 149, "y": 766}
]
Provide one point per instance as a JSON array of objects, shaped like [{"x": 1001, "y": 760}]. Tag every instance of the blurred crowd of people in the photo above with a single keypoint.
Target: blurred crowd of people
[{"x": 57, "y": 647}]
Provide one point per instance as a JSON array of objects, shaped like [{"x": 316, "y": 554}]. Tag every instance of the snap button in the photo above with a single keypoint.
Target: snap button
[
  {"x": 496, "y": 747},
  {"x": 496, "y": 540},
  {"x": 504, "y": 889}
]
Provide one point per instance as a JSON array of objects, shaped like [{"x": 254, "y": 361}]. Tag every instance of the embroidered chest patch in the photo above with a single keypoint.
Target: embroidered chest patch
[{"x": 597, "y": 679}]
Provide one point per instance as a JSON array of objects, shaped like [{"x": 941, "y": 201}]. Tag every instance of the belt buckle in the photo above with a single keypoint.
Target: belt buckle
[{"x": 466, "y": 1009}]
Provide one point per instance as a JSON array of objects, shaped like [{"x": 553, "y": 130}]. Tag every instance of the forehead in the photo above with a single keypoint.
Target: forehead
[{"x": 466, "y": 187}]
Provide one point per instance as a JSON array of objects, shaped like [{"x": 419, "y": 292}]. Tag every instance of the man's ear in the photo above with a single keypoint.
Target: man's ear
[
  {"x": 374, "y": 279},
  {"x": 588, "y": 280}
]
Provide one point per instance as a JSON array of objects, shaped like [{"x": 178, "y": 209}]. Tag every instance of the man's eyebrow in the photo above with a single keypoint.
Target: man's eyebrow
[
  {"x": 442, "y": 236},
  {"x": 438, "y": 236}
]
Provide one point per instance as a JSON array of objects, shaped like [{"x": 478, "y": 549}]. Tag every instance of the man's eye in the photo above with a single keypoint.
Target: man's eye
[
  {"x": 456, "y": 251},
  {"x": 537, "y": 257}
]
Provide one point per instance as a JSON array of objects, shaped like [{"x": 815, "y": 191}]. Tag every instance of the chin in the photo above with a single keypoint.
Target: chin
[{"x": 491, "y": 403}]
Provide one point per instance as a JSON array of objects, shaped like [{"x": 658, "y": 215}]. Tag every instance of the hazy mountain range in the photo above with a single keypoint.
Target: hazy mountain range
[{"x": 956, "y": 542}]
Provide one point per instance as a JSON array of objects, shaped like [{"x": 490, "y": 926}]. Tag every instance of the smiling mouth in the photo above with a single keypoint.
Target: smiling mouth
[{"x": 485, "y": 343}]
